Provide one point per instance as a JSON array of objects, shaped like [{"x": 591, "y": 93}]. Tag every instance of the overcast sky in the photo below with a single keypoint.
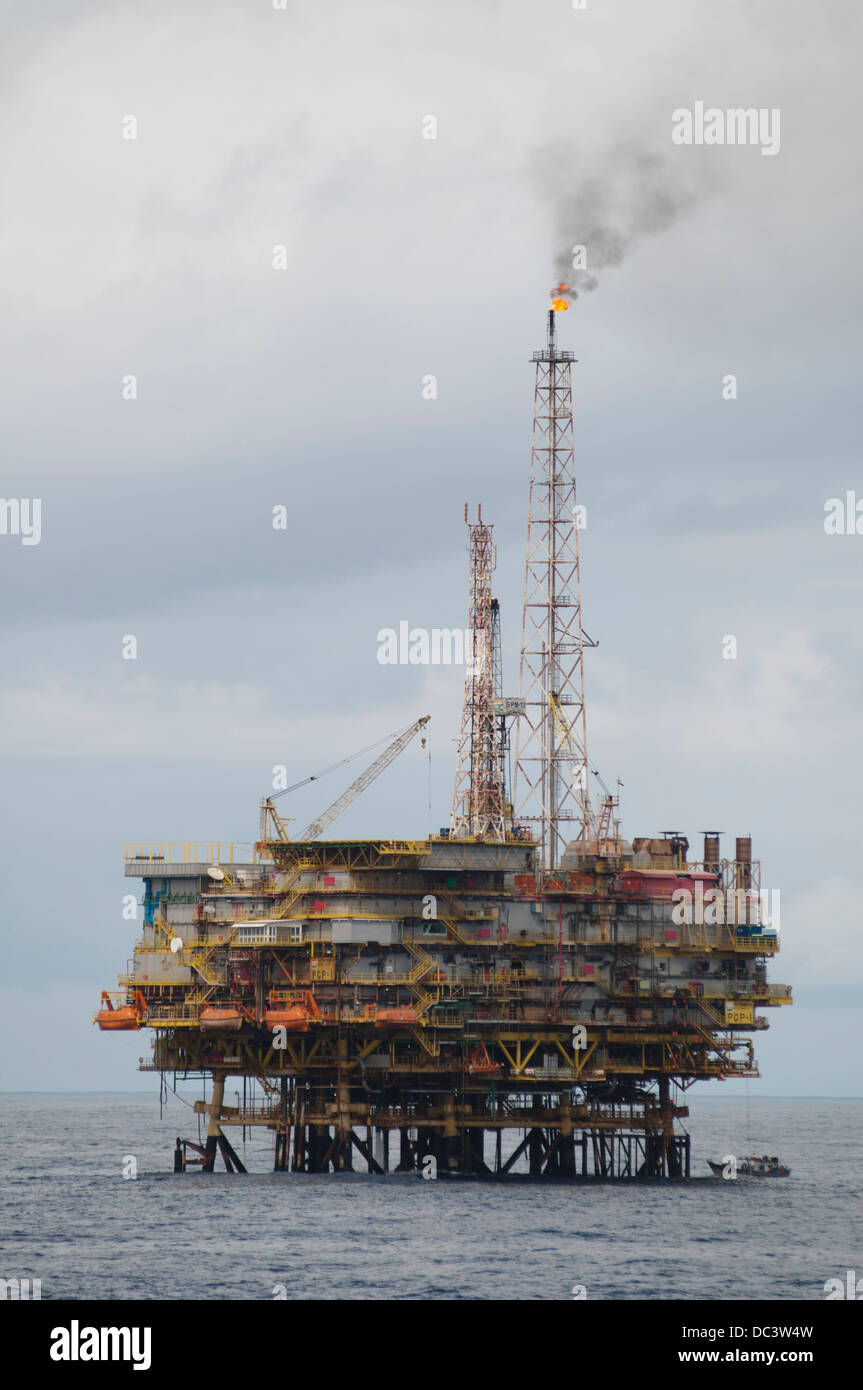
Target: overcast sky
[{"x": 407, "y": 257}]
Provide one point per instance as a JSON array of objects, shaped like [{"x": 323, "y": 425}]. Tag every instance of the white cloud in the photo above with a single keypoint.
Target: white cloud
[
  {"x": 145, "y": 717},
  {"x": 781, "y": 695},
  {"x": 822, "y": 936}
]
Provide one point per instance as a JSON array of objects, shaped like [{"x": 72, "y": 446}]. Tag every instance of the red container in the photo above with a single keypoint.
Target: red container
[
  {"x": 484, "y": 933},
  {"x": 661, "y": 883}
]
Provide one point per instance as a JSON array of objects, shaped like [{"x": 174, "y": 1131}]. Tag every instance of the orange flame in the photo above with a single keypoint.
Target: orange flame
[{"x": 558, "y": 305}]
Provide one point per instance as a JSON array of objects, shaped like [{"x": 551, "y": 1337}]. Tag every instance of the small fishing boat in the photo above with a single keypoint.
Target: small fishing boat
[{"x": 753, "y": 1166}]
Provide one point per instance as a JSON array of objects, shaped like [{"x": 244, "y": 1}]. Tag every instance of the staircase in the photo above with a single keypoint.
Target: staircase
[
  {"x": 454, "y": 930},
  {"x": 713, "y": 1014},
  {"x": 208, "y": 971},
  {"x": 451, "y": 921},
  {"x": 200, "y": 958},
  {"x": 200, "y": 994},
  {"x": 424, "y": 1000},
  {"x": 287, "y": 907},
  {"x": 423, "y": 965},
  {"x": 429, "y": 1044},
  {"x": 423, "y": 962}
]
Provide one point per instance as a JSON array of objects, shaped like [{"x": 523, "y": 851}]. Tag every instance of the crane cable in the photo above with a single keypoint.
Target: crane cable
[{"x": 316, "y": 777}]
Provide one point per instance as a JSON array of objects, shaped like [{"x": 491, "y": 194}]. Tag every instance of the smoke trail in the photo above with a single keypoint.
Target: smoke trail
[{"x": 639, "y": 194}]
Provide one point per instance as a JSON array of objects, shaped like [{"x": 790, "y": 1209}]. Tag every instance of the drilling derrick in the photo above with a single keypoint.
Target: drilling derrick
[
  {"x": 551, "y": 788},
  {"x": 477, "y": 808}
]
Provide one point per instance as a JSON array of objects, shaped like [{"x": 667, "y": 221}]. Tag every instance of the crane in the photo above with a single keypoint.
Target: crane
[
  {"x": 270, "y": 818},
  {"x": 607, "y": 827},
  {"x": 269, "y": 812},
  {"x": 364, "y": 780}
]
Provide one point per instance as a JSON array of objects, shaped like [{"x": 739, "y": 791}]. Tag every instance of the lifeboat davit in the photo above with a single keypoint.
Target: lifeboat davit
[
  {"x": 293, "y": 1017},
  {"x": 402, "y": 1017},
  {"x": 480, "y": 1063},
  {"x": 120, "y": 1017},
  {"x": 224, "y": 1018}
]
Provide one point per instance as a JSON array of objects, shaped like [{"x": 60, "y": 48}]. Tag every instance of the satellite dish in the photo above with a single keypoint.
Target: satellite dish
[
  {"x": 176, "y": 944},
  {"x": 215, "y": 872}
]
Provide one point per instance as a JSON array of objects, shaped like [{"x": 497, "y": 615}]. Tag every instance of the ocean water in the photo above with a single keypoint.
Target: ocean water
[{"x": 69, "y": 1218}]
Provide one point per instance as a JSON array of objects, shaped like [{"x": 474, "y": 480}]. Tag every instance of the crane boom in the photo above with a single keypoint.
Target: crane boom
[{"x": 364, "y": 780}]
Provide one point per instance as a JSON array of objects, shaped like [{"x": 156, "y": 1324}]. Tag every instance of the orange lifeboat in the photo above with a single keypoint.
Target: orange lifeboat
[
  {"x": 402, "y": 1017},
  {"x": 123, "y": 1017},
  {"x": 294, "y": 1017},
  {"x": 294, "y": 1010},
  {"x": 120, "y": 1017},
  {"x": 225, "y": 1018}
]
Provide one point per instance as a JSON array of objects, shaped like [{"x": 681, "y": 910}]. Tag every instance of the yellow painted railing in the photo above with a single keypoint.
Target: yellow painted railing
[{"x": 189, "y": 852}]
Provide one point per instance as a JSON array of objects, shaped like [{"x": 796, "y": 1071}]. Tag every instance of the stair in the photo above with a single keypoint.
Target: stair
[
  {"x": 713, "y": 1014},
  {"x": 429, "y": 1045},
  {"x": 451, "y": 922},
  {"x": 200, "y": 994},
  {"x": 288, "y": 906},
  {"x": 200, "y": 958},
  {"x": 423, "y": 961}
]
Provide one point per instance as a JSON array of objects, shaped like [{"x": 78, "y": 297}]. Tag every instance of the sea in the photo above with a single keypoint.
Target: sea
[{"x": 72, "y": 1217}]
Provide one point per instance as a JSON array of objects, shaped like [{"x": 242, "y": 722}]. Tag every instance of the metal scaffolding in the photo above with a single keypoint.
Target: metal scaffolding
[
  {"x": 551, "y": 791},
  {"x": 477, "y": 808}
]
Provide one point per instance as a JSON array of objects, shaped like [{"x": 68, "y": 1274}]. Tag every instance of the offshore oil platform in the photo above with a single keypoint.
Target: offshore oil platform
[{"x": 524, "y": 992}]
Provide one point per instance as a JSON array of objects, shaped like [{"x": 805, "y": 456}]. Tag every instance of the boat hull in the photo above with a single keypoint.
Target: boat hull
[
  {"x": 296, "y": 1020},
  {"x": 396, "y": 1018},
  {"x": 118, "y": 1020},
  {"x": 225, "y": 1020},
  {"x": 745, "y": 1169}
]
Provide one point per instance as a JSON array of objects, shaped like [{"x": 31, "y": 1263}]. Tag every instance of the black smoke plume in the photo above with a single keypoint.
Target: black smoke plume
[{"x": 635, "y": 195}]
